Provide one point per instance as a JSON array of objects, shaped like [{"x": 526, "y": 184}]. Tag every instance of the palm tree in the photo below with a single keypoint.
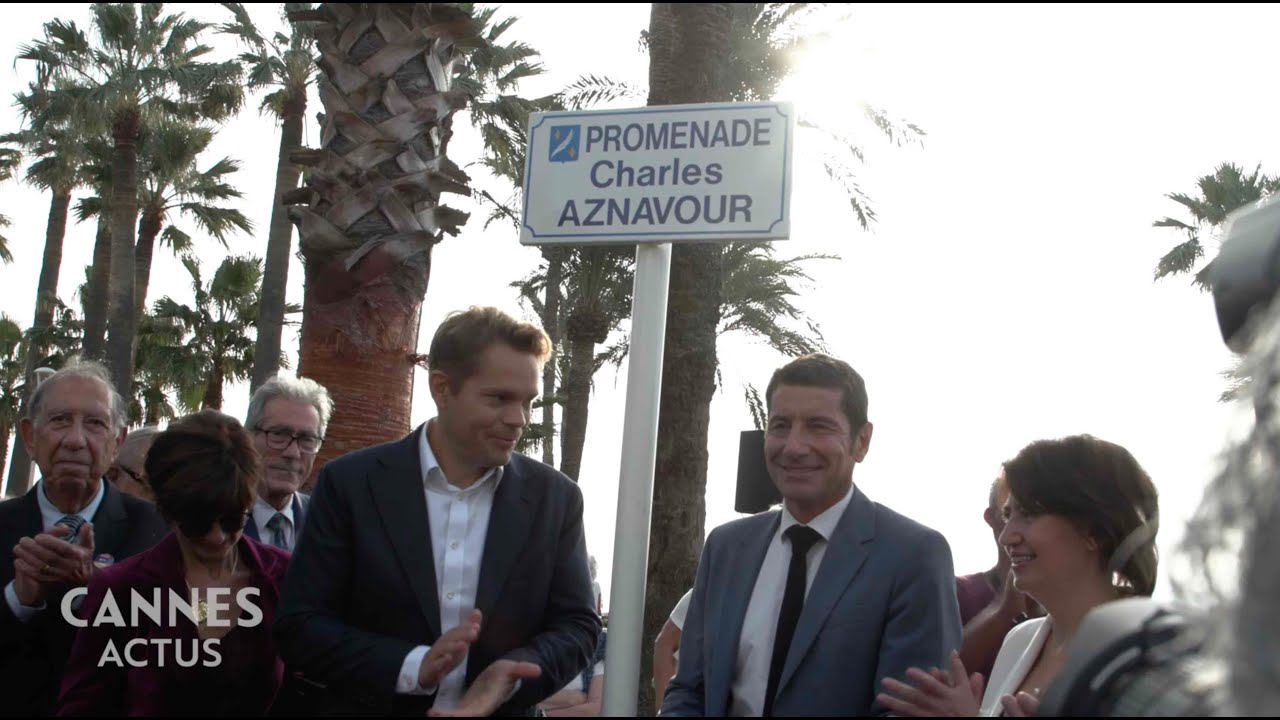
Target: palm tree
[
  {"x": 1219, "y": 194},
  {"x": 57, "y": 145},
  {"x": 599, "y": 299},
  {"x": 758, "y": 297},
  {"x": 96, "y": 295},
  {"x": 286, "y": 65},
  {"x": 152, "y": 378},
  {"x": 1228, "y": 188},
  {"x": 213, "y": 341},
  {"x": 688, "y": 47},
  {"x": 169, "y": 182},
  {"x": 12, "y": 380},
  {"x": 140, "y": 66},
  {"x": 10, "y": 161},
  {"x": 375, "y": 189}
]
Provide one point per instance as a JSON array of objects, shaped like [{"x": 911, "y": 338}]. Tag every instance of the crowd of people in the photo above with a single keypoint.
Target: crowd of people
[{"x": 185, "y": 571}]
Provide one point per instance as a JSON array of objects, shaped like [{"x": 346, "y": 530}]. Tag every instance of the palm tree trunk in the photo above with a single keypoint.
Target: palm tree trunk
[
  {"x": 551, "y": 324},
  {"x": 148, "y": 230},
  {"x": 687, "y": 44},
  {"x": 367, "y": 235},
  {"x": 577, "y": 392},
  {"x": 275, "y": 275},
  {"x": 371, "y": 385},
  {"x": 213, "y": 390},
  {"x": 122, "y": 322},
  {"x": 46, "y": 299},
  {"x": 95, "y": 305},
  {"x": 151, "y": 413}
]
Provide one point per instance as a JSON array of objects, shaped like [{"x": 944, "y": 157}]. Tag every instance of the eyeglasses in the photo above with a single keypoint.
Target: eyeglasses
[
  {"x": 282, "y": 438},
  {"x": 230, "y": 523}
]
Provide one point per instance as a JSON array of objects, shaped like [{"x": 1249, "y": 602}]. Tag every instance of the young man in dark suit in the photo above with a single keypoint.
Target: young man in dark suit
[
  {"x": 445, "y": 572},
  {"x": 67, "y": 527}
]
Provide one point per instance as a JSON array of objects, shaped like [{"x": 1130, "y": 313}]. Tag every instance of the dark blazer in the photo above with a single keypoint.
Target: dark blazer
[
  {"x": 32, "y": 655},
  {"x": 241, "y": 681},
  {"x": 300, "y": 501},
  {"x": 884, "y": 600},
  {"x": 361, "y": 590}
]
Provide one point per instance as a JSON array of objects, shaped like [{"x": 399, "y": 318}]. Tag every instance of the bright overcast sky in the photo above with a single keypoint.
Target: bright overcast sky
[{"x": 1005, "y": 294}]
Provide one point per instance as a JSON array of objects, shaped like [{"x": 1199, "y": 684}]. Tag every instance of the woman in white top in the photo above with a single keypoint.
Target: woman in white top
[{"x": 1080, "y": 531}]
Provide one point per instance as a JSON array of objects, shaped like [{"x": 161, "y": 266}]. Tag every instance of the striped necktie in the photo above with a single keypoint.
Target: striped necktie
[
  {"x": 73, "y": 524},
  {"x": 278, "y": 525}
]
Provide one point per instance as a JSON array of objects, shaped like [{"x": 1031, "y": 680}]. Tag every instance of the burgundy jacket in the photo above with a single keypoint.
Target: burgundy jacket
[{"x": 170, "y": 671}]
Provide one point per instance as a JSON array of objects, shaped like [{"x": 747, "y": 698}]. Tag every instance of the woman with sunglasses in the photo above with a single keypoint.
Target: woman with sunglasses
[{"x": 206, "y": 646}]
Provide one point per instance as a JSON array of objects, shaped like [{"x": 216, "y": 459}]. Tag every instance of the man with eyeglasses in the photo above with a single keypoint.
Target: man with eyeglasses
[
  {"x": 63, "y": 531},
  {"x": 288, "y": 417},
  {"x": 127, "y": 472}
]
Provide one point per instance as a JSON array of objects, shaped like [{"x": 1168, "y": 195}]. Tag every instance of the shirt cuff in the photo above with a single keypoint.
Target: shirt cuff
[
  {"x": 407, "y": 683},
  {"x": 24, "y": 613}
]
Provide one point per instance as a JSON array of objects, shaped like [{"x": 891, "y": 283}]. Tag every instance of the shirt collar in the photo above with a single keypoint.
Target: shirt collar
[
  {"x": 50, "y": 514},
  {"x": 825, "y": 523},
  {"x": 263, "y": 511},
  {"x": 433, "y": 476}
]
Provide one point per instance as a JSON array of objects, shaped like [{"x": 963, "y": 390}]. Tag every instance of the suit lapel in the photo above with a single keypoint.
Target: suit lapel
[
  {"x": 843, "y": 559},
  {"x": 30, "y": 522},
  {"x": 509, "y": 523},
  {"x": 251, "y": 528},
  {"x": 401, "y": 501},
  {"x": 299, "y": 516},
  {"x": 110, "y": 523},
  {"x": 740, "y": 583}
]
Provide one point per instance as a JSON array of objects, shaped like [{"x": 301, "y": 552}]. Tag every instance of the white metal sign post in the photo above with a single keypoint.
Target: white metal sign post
[{"x": 652, "y": 176}]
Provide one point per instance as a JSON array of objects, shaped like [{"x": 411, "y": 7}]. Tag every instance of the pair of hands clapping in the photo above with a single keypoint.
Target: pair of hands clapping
[{"x": 491, "y": 688}]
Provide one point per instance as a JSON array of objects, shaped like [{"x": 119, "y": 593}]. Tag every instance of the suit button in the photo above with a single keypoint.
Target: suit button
[
  {"x": 454, "y": 545},
  {"x": 449, "y": 596}
]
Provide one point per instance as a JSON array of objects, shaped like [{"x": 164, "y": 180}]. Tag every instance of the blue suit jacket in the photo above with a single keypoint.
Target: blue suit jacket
[
  {"x": 884, "y": 600},
  {"x": 300, "y": 501}
]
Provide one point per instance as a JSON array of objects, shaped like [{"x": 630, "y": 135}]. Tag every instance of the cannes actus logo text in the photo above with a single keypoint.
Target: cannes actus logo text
[{"x": 212, "y": 608}]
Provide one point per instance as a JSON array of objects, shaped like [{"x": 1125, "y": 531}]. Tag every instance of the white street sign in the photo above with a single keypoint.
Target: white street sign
[{"x": 674, "y": 173}]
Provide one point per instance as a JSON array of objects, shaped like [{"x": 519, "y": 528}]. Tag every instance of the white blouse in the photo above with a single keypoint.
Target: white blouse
[{"x": 1017, "y": 656}]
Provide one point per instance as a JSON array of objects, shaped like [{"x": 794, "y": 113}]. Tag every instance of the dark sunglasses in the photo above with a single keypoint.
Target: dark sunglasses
[{"x": 230, "y": 523}]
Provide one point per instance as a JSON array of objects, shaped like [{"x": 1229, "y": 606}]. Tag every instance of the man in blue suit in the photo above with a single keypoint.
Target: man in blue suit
[
  {"x": 804, "y": 611},
  {"x": 288, "y": 417}
]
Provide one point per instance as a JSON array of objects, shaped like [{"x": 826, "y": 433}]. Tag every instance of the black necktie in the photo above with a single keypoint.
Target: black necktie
[{"x": 802, "y": 538}]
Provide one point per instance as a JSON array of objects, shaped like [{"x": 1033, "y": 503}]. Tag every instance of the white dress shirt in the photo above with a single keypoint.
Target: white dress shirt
[
  {"x": 459, "y": 520},
  {"x": 755, "y": 642},
  {"x": 49, "y": 514},
  {"x": 263, "y": 511}
]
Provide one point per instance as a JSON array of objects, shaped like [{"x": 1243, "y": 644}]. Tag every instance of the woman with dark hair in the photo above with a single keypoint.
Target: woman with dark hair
[
  {"x": 196, "y": 610},
  {"x": 1080, "y": 531}
]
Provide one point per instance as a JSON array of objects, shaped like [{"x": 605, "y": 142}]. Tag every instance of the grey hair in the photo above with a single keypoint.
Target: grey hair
[
  {"x": 89, "y": 370},
  {"x": 298, "y": 389}
]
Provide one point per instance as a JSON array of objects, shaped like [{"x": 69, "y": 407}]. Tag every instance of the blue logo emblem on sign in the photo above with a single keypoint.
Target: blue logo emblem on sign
[{"x": 564, "y": 142}]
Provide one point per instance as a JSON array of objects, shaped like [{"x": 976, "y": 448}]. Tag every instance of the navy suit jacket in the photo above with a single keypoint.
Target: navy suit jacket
[
  {"x": 361, "y": 590},
  {"x": 883, "y": 600},
  {"x": 300, "y": 501},
  {"x": 32, "y": 654}
]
